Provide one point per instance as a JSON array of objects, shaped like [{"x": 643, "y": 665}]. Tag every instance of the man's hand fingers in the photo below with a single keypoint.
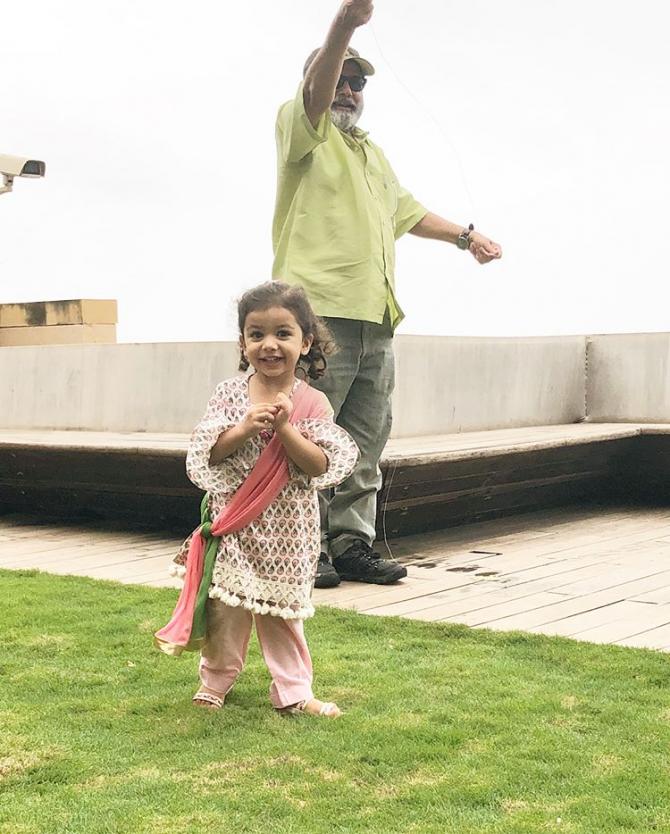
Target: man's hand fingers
[
  {"x": 481, "y": 256},
  {"x": 358, "y": 11},
  {"x": 486, "y": 251}
]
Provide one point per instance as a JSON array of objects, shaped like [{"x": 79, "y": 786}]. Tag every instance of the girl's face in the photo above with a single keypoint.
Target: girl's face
[{"x": 273, "y": 342}]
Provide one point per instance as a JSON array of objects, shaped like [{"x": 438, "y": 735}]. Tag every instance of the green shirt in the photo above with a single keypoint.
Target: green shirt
[{"x": 338, "y": 213}]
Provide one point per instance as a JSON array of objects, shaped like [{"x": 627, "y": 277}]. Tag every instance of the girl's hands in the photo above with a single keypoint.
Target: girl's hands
[
  {"x": 283, "y": 409},
  {"x": 265, "y": 416},
  {"x": 260, "y": 417}
]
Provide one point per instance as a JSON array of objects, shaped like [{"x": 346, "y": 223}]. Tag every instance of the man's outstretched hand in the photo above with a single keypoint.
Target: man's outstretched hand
[
  {"x": 356, "y": 13},
  {"x": 484, "y": 250},
  {"x": 434, "y": 227}
]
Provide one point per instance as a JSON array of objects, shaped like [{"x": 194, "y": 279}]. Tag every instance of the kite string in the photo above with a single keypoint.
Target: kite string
[
  {"x": 461, "y": 169},
  {"x": 387, "y": 490},
  {"x": 433, "y": 118}
]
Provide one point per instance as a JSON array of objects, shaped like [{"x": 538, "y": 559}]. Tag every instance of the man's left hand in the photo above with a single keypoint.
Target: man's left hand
[{"x": 484, "y": 250}]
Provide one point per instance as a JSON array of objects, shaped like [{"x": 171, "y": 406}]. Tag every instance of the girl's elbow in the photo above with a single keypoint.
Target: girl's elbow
[
  {"x": 321, "y": 467},
  {"x": 315, "y": 468}
]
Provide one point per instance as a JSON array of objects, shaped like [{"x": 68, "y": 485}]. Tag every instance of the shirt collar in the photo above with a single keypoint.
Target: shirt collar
[{"x": 355, "y": 137}]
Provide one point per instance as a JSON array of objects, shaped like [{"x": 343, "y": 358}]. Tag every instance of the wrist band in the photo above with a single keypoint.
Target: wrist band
[{"x": 463, "y": 240}]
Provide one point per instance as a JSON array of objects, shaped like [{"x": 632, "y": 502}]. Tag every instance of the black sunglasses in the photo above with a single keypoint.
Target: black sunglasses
[{"x": 355, "y": 82}]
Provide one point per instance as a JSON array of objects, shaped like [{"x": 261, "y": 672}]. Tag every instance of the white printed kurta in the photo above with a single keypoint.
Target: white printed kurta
[{"x": 269, "y": 566}]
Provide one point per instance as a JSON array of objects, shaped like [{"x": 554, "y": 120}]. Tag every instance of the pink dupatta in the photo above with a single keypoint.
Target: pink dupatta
[{"x": 186, "y": 630}]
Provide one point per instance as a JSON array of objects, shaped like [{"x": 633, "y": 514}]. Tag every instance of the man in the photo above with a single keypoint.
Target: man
[{"x": 338, "y": 213}]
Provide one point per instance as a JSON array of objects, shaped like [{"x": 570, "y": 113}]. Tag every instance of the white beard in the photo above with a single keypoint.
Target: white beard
[{"x": 345, "y": 120}]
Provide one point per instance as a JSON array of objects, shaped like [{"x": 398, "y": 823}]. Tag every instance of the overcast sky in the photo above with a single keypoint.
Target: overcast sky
[{"x": 546, "y": 124}]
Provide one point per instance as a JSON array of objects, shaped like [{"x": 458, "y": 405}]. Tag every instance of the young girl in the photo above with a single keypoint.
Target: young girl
[{"x": 265, "y": 445}]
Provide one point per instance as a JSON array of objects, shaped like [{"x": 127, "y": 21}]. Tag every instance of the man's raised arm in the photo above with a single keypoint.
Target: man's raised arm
[{"x": 324, "y": 71}]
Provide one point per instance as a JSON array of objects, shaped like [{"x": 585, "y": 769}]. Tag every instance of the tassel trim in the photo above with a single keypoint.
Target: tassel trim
[
  {"x": 261, "y": 608},
  {"x": 233, "y": 601}
]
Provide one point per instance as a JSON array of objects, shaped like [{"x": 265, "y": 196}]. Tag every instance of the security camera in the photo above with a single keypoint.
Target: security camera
[{"x": 18, "y": 166}]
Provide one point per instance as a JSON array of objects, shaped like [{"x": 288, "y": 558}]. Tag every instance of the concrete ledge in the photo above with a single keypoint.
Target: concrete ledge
[
  {"x": 135, "y": 442},
  {"x": 654, "y": 428},
  {"x": 428, "y": 482},
  {"x": 409, "y": 451},
  {"x": 418, "y": 451}
]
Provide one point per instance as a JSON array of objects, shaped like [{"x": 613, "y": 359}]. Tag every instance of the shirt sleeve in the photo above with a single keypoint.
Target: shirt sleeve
[
  {"x": 338, "y": 447},
  {"x": 222, "y": 477},
  {"x": 296, "y": 136},
  {"x": 408, "y": 213}
]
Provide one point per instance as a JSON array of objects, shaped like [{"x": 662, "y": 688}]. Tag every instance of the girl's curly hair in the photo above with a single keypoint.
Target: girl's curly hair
[{"x": 293, "y": 298}]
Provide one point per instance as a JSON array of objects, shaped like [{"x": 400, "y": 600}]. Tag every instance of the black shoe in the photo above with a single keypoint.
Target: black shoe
[
  {"x": 326, "y": 575},
  {"x": 360, "y": 563}
]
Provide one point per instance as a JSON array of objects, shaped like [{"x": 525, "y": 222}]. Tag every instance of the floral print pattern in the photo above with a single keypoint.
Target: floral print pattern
[{"x": 268, "y": 566}]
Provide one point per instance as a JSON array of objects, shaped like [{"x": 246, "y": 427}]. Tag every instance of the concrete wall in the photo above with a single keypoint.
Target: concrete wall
[
  {"x": 448, "y": 384},
  {"x": 444, "y": 384},
  {"x": 148, "y": 387},
  {"x": 629, "y": 378}
]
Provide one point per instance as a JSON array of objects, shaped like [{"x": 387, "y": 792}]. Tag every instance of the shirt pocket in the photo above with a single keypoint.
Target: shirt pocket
[{"x": 383, "y": 185}]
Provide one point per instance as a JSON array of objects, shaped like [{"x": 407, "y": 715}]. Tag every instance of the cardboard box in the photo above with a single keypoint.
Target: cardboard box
[
  {"x": 52, "y": 313},
  {"x": 64, "y": 334}
]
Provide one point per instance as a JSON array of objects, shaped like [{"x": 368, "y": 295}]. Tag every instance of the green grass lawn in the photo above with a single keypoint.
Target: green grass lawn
[{"x": 446, "y": 729}]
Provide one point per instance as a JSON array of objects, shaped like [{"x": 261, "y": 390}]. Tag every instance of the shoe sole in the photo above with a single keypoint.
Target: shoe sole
[
  {"x": 375, "y": 580},
  {"x": 327, "y": 581}
]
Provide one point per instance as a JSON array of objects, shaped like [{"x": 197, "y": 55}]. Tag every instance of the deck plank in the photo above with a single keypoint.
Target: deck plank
[{"x": 601, "y": 575}]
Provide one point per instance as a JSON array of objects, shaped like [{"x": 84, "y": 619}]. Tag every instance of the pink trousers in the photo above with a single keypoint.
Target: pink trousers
[{"x": 282, "y": 643}]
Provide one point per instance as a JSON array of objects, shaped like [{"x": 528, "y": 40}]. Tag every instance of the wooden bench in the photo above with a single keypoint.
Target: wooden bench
[
  {"x": 430, "y": 482},
  {"x": 439, "y": 481}
]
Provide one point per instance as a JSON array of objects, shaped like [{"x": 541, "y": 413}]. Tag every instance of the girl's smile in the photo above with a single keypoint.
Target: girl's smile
[{"x": 273, "y": 342}]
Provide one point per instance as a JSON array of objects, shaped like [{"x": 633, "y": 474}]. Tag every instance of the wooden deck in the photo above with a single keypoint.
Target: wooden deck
[
  {"x": 597, "y": 575},
  {"x": 406, "y": 450}
]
